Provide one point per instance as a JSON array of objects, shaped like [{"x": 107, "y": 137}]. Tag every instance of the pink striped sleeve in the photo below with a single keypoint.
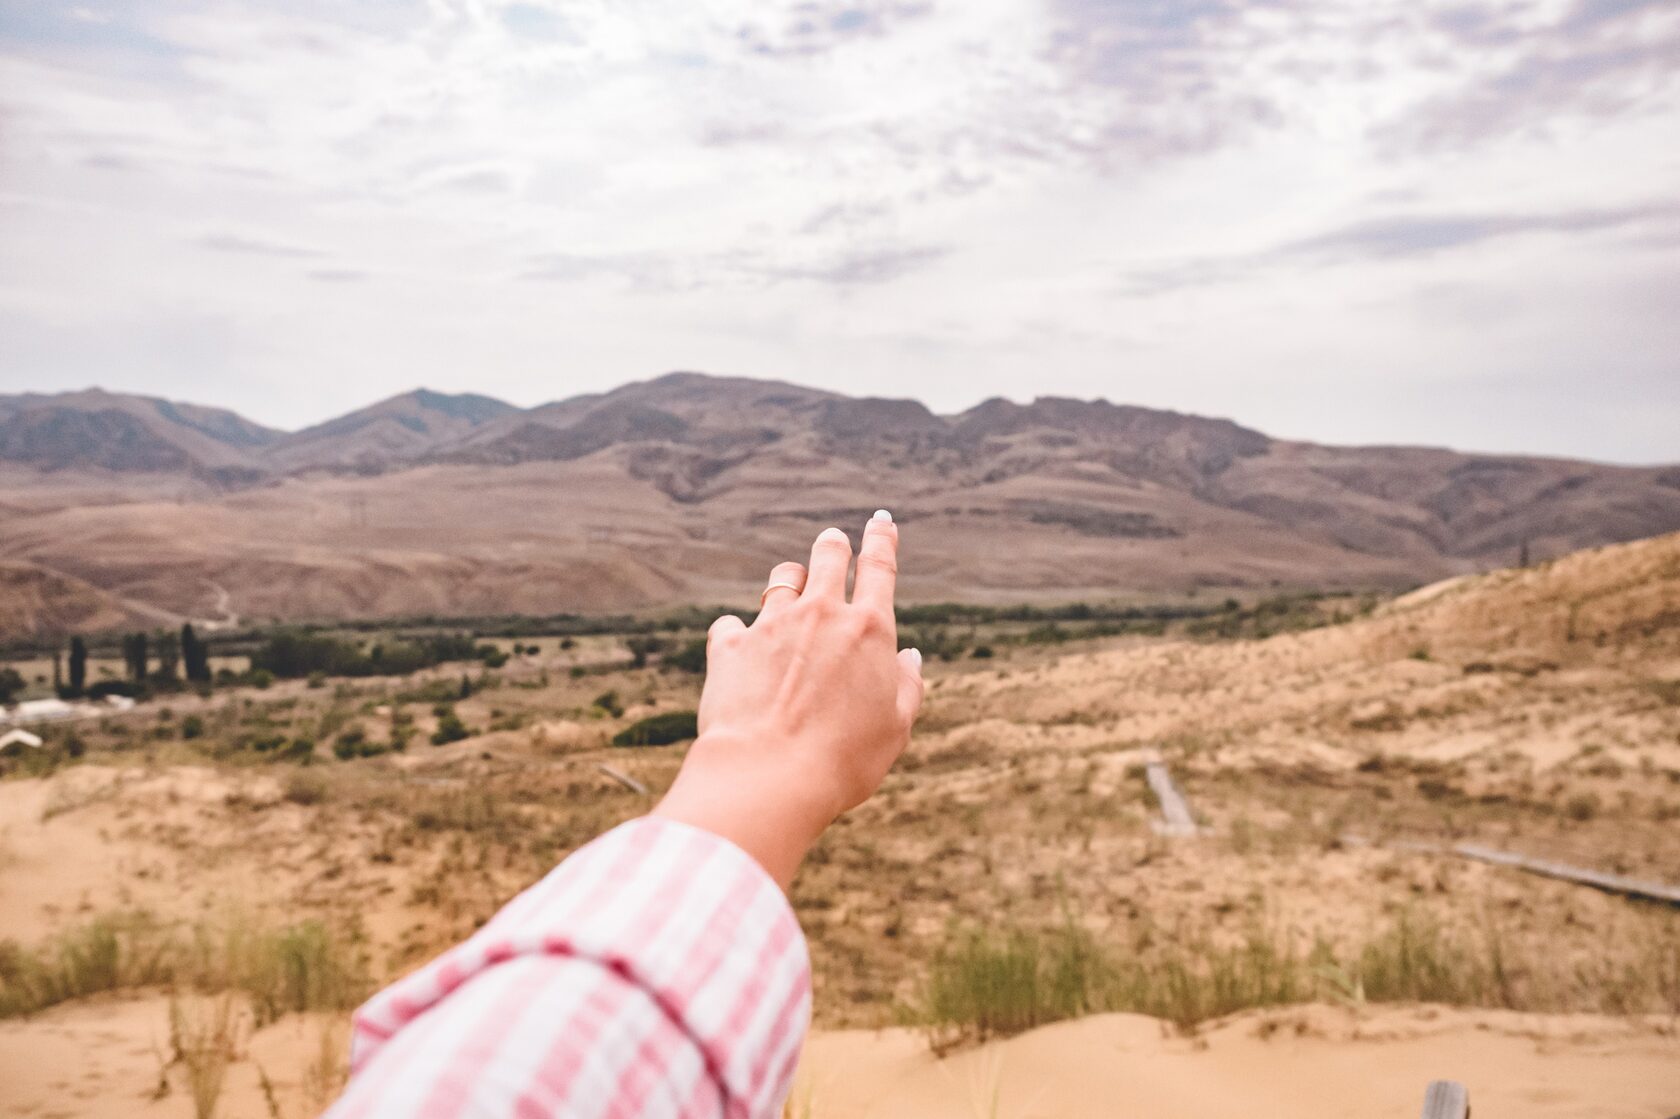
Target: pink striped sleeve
[{"x": 658, "y": 971}]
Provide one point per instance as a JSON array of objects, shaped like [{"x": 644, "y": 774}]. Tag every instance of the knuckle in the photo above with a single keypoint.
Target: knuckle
[
  {"x": 872, "y": 623},
  {"x": 724, "y": 634},
  {"x": 884, "y": 563}
]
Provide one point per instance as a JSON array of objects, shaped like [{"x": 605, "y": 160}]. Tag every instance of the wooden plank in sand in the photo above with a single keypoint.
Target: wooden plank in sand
[
  {"x": 1581, "y": 876},
  {"x": 1175, "y": 811},
  {"x": 624, "y": 779},
  {"x": 1614, "y": 883}
]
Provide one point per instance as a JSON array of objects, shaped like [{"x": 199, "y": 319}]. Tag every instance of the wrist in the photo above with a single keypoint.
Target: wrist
[{"x": 770, "y": 811}]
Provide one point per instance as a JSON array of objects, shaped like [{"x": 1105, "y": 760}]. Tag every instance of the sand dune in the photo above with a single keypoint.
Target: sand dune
[
  {"x": 1534, "y": 710},
  {"x": 101, "y": 1060},
  {"x": 1307, "y": 1063}
]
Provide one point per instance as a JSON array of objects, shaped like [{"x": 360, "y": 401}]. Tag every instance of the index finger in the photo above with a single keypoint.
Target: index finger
[{"x": 877, "y": 564}]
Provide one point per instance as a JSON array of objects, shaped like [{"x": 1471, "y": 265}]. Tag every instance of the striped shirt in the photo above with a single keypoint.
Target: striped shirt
[{"x": 658, "y": 971}]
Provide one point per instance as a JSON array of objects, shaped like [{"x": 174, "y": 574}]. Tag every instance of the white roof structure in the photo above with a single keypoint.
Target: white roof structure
[
  {"x": 20, "y": 737},
  {"x": 42, "y": 711}
]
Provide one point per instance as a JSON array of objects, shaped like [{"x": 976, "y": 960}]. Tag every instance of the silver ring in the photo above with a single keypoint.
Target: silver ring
[{"x": 774, "y": 586}]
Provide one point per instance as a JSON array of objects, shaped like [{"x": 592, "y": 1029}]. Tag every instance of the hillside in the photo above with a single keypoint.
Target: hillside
[
  {"x": 686, "y": 488},
  {"x": 130, "y": 434},
  {"x": 1313, "y": 925}
]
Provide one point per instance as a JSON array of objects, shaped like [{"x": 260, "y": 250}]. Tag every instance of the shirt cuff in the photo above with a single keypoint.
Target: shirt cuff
[{"x": 682, "y": 913}]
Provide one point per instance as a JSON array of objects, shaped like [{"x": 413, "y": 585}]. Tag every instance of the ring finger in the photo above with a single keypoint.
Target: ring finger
[{"x": 786, "y": 583}]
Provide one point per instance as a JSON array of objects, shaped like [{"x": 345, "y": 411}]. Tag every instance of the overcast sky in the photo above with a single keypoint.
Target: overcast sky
[{"x": 1386, "y": 221}]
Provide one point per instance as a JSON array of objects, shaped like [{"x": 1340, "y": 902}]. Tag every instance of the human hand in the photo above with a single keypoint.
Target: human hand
[{"x": 804, "y": 711}]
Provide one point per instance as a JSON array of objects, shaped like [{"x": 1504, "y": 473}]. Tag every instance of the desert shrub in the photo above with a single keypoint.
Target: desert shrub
[
  {"x": 469, "y": 810},
  {"x": 1581, "y": 807},
  {"x": 305, "y": 789},
  {"x": 432, "y": 691},
  {"x": 354, "y": 743},
  {"x": 192, "y": 727},
  {"x": 299, "y": 749},
  {"x": 610, "y": 703},
  {"x": 690, "y": 658},
  {"x": 450, "y": 729},
  {"x": 643, "y": 647},
  {"x": 658, "y": 730}
]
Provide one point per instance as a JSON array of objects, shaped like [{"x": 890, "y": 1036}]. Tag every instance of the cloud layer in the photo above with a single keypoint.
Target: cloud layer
[{"x": 1394, "y": 221}]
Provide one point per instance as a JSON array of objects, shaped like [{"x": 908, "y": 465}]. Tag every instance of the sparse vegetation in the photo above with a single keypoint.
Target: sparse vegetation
[
  {"x": 294, "y": 968},
  {"x": 305, "y": 788},
  {"x": 1324, "y": 768},
  {"x": 658, "y": 730},
  {"x": 204, "y": 1035},
  {"x": 450, "y": 728},
  {"x": 988, "y": 983}
]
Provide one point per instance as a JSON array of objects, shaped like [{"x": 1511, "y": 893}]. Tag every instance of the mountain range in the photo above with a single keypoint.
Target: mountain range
[{"x": 116, "y": 508}]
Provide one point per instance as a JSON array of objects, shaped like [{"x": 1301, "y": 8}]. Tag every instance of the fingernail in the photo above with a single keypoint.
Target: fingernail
[
  {"x": 916, "y": 655},
  {"x": 882, "y": 515},
  {"x": 833, "y": 534}
]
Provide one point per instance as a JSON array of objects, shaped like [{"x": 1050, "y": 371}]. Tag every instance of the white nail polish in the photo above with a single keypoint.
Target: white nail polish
[
  {"x": 882, "y": 515},
  {"x": 916, "y": 655},
  {"x": 832, "y": 534}
]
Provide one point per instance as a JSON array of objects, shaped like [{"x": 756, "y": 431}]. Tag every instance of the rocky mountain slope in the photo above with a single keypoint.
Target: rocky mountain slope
[{"x": 685, "y": 488}]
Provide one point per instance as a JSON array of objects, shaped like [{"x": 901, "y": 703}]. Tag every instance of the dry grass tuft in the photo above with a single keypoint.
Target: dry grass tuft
[
  {"x": 204, "y": 1035},
  {"x": 299, "y": 967},
  {"x": 985, "y": 984}
]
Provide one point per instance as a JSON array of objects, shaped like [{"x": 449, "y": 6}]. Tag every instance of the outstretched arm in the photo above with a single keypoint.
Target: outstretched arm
[{"x": 659, "y": 970}]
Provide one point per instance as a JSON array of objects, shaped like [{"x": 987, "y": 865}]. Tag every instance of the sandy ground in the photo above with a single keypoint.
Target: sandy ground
[
  {"x": 1308, "y": 1063},
  {"x": 102, "y": 1059},
  {"x": 105, "y": 1058}
]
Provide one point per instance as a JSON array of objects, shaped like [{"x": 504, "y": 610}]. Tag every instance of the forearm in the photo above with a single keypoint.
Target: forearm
[{"x": 655, "y": 969}]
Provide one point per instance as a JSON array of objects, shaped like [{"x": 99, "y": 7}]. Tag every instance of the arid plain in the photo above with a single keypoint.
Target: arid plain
[{"x": 1313, "y": 951}]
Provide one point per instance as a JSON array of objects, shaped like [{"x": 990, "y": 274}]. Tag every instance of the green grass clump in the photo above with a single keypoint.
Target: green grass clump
[
  {"x": 297, "y": 967},
  {"x": 659, "y": 730},
  {"x": 985, "y": 984},
  {"x": 989, "y": 984},
  {"x": 100, "y": 956}
]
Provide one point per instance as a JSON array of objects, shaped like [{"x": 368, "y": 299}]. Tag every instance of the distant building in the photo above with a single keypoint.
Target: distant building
[{"x": 42, "y": 711}]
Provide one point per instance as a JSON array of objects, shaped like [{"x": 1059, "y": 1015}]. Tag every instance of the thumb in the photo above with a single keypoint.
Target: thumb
[{"x": 910, "y": 685}]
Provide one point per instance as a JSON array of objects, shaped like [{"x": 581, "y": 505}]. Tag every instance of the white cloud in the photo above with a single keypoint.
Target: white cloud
[{"x": 292, "y": 208}]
